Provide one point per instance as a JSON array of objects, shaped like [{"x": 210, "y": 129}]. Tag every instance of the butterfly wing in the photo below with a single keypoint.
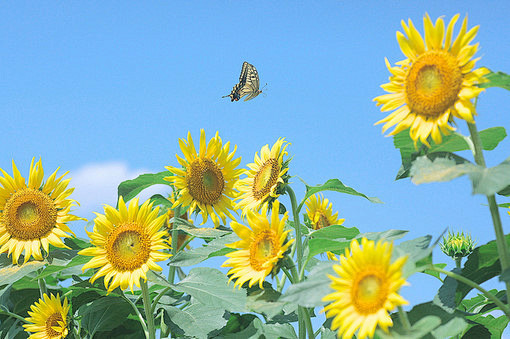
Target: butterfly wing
[{"x": 251, "y": 86}]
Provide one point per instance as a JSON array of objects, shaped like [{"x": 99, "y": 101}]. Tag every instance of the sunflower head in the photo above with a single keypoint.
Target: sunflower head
[
  {"x": 435, "y": 83},
  {"x": 457, "y": 245},
  {"x": 365, "y": 289},
  {"x": 33, "y": 214},
  {"x": 320, "y": 212},
  {"x": 266, "y": 178},
  {"x": 48, "y": 318},
  {"x": 206, "y": 180},
  {"x": 127, "y": 242},
  {"x": 261, "y": 248}
]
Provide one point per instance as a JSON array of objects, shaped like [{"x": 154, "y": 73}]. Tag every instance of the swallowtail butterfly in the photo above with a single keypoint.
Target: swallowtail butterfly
[{"x": 248, "y": 84}]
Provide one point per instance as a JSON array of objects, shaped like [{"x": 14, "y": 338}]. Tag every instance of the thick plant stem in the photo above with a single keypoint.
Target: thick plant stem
[
  {"x": 472, "y": 284},
  {"x": 403, "y": 318},
  {"x": 458, "y": 261},
  {"x": 142, "y": 320},
  {"x": 493, "y": 206},
  {"x": 175, "y": 235},
  {"x": 148, "y": 310}
]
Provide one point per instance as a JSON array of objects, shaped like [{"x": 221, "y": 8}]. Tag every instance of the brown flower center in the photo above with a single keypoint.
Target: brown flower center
[
  {"x": 205, "y": 181},
  {"x": 51, "y": 322},
  {"x": 127, "y": 247},
  {"x": 369, "y": 291},
  {"x": 433, "y": 83},
  {"x": 263, "y": 250},
  {"x": 266, "y": 177},
  {"x": 29, "y": 214}
]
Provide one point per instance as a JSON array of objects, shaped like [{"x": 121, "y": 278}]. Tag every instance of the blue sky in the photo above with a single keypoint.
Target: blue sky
[{"x": 105, "y": 90}]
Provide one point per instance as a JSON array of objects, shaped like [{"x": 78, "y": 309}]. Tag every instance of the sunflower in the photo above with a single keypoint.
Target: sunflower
[
  {"x": 365, "y": 290},
  {"x": 320, "y": 213},
  {"x": 260, "y": 248},
  {"x": 265, "y": 176},
  {"x": 48, "y": 319},
  {"x": 34, "y": 214},
  {"x": 127, "y": 244},
  {"x": 207, "y": 181},
  {"x": 435, "y": 83}
]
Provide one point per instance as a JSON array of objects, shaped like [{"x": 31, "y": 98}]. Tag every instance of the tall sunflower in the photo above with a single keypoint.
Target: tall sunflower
[
  {"x": 207, "y": 181},
  {"x": 48, "y": 318},
  {"x": 265, "y": 176},
  {"x": 127, "y": 243},
  {"x": 34, "y": 214},
  {"x": 260, "y": 248},
  {"x": 320, "y": 213},
  {"x": 366, "y": 288},
  {"x": 435, "y": 83}
]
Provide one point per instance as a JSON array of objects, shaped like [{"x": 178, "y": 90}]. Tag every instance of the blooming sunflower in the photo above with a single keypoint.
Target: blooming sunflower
[
  {"x": 365, "y": 290},
  {"x": 48, "y": 319},
  {"x": 34, "y": 214},
  {"x": 435, "y": 83},
  {"x": 265, "y": 176},
  {"x": 260, "y": 247},
  {"x": 127, "y": 244},
  {"x": 208, "y": 178},
  {"x": 320, "y": 213}
]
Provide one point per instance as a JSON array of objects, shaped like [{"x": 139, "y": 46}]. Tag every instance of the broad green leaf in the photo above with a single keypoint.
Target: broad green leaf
[
  {"x": 445, "y": 297},
  {"x": 104, "y": 314},
  {"x": 424, "y": 170},
  {"x": 481, "y": 265},
  {"x": 160, "y": 200},
  {"x": 12, "y": 328},
  {"x": 197, "y": 320},
  {"x": 199, "y": 232},
  {"x": 415, "y": 250},
  {"x": 497, "y": 79},
  {"x": 495, "y": 326},
  {"x": 389, "y": 235},
  {"x": 332, "y": 238},
  {"x": 310, "y": 292},
  {"x": 13, "y": 273},
  {"x": 130, "y": 188},
  {"x": 451, "y": 328},
  {"x": 488, "y": 181},
  {"x": 236, "y": 323},
  {"x": 506, "y": 192},
  {"x": 334, "y": 185},
  {"x": 210, "y": 286},
  {"x": 435, "y": 273},
  {"x": 197, "y": 255},
  {"x": 264, "y": 301},
  {"x": 481, "y": 304},
  {"x": 55, "y": 267},
  {"x": 505, "y": 205},
  {"x": 275, "y": 330}
]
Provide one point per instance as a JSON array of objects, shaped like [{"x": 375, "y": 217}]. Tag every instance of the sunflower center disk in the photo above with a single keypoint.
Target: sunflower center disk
[
  {"x": 369, "y": 293},
  {"x": 433, "y": 83},
  {"x": 29, "y": 214},
  {"x": 205, "y": 181},
  {"x": 322, "y": 222},
  {"x": 263, "y": 249},
  {"x": 52, "y": 321},
  {"x": 265, "y": 178},
  {"x": 128, "y": 247}
]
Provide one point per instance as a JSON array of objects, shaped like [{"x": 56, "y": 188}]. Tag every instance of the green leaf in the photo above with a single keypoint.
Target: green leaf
[
  {"x": 488, "y": 181},
  {"x": 497, "y": 79},
  {"x": 495, "y": 326},
  {"x": 130, "y": 188},
  {"x": 310, "y": 292},
  {"x": 202, "y": 232},
  {"x": 275, "y": 330},
  {"x": 104, "y": 314},
  {"x": 416, "y": 250},
  {"x": 445, "y": 297},
  {"x": 480, "y": 303},
  {"x": 13, "y": 273},
  {"x": 442, "y": 168},
  {"x": 389, "y": 235},
  {"x": 160, "y": 200},
  {"x": 264, "y": 301},
  {"x": 77, "y": 260},
  {"x": 331, "y": 238},
  {"x": 435, "y": 273},
  {"x": 197, "y": 320},
  {"x": 197, "y": 255},
  {"x": 210, "y": 286},
  {"x": 337, "y": 186}
]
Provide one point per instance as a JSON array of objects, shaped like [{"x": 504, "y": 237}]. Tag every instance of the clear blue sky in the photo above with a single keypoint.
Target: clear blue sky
[{"x": 94, "y": 87}]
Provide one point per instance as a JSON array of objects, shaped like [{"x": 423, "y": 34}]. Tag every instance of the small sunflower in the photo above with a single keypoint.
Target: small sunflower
[
  {"x": 320, "y": 213},
  {"x": 365, "y": 290},
  {"x": 48, "y": 319},
  {"x": 260, "y": 247},
  {"x": 34, "y": 214},
  {"x": 435, "y": 83},
  {"x": 127, "y": 243},
  {"x": 207, "y": 181},
  {"x": 265, "y": 176}
]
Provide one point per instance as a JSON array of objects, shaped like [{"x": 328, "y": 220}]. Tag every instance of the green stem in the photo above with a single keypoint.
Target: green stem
[
  {"x": 288, "y": 274},
  {"x": 148, "y": 309},
  {"x": 42, "y": 287},
  {"x": 156, "y": 300},
  {"x": 493, "y": 206},
  {"x": 13, "y": 315},
  {"x": 308, "y": 324},
  {"x": 297, "y": 226},
  {"x": 403, "y": 318},
  {"x": 472, "y": 284},
  {"x": 137, "y": 311},
  {"x": 458, "y": 261},
  {"x": 184, "y": 244},
  {"x": 175, "y": 236}
]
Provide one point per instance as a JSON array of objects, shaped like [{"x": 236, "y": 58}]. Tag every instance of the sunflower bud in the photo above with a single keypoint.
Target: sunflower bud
[{"x": 457, "y": 245}]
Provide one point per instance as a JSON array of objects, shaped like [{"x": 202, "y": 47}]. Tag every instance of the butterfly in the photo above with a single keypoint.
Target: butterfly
[{"x": 248, "y": 84}]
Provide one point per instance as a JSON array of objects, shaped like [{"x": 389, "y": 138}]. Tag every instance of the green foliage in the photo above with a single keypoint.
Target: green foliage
[
  {"x": 197, "y": 319},
  {"x": 334, "y": 238},
  {"x": 497, "y": 79},
  {"x": 213, "y": 249},
  {"x": 130, "y": 188}
]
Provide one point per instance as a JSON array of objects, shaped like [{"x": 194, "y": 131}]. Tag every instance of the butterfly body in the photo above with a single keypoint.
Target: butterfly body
[{"x": 248, "y": 84}]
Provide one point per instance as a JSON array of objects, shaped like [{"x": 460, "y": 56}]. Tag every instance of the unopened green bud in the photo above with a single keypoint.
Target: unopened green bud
[{"x": 457, "y": 245}]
